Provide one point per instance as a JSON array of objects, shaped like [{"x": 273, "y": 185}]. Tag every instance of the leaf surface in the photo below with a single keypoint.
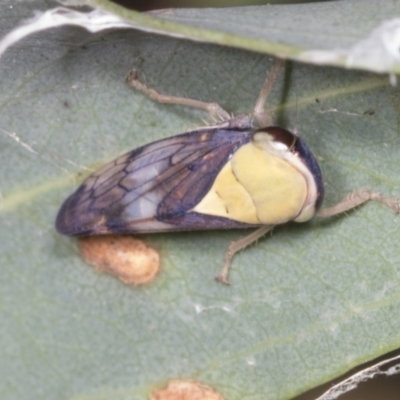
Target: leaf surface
[
  {"x": 308, "y": 302},
  {"x": 321, "y": 33}
]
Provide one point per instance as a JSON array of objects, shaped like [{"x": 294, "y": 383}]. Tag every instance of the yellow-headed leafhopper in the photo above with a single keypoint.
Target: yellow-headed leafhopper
[{"x": 230, "y": 175}]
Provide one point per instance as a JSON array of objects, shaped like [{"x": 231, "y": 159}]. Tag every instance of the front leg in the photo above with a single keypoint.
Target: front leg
[
  {"x": 235, "y": 247},
  {"x": 357, "y": 198}
]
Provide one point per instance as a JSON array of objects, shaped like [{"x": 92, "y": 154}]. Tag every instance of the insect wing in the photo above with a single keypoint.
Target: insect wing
[{"x": 154, "y": 187}]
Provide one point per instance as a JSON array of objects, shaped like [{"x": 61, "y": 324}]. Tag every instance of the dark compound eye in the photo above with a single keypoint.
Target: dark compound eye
[{"x": 280, "y": 135}]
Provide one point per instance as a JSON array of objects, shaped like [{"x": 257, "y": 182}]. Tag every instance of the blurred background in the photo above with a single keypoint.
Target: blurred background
[
  {"x": 381, "y": 387},
  {"x": 145, "y": 5}
]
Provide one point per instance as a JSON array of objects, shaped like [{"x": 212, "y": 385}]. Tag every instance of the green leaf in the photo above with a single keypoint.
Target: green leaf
[
  {"x": 308, "y": 302},
  {"x": 322, "y": 33}
]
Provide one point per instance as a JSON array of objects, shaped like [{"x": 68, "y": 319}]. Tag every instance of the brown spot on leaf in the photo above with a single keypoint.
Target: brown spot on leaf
[
  {"x": 185, "y": 390},
  {"x": 130, "y": 260},
  {"x": 370, "y": 111}
]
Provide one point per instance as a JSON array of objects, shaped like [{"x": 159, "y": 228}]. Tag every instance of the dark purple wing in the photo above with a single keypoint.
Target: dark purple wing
[{"x": 154, "y": 187}]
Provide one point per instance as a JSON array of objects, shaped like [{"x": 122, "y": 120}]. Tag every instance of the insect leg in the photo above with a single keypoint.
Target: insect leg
[
  {"x": 216, "y": 111},
  {"x": 235, "y": 247},
  {"x": 260, "y": 115},
  {"x": 357, "y": 198}
]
